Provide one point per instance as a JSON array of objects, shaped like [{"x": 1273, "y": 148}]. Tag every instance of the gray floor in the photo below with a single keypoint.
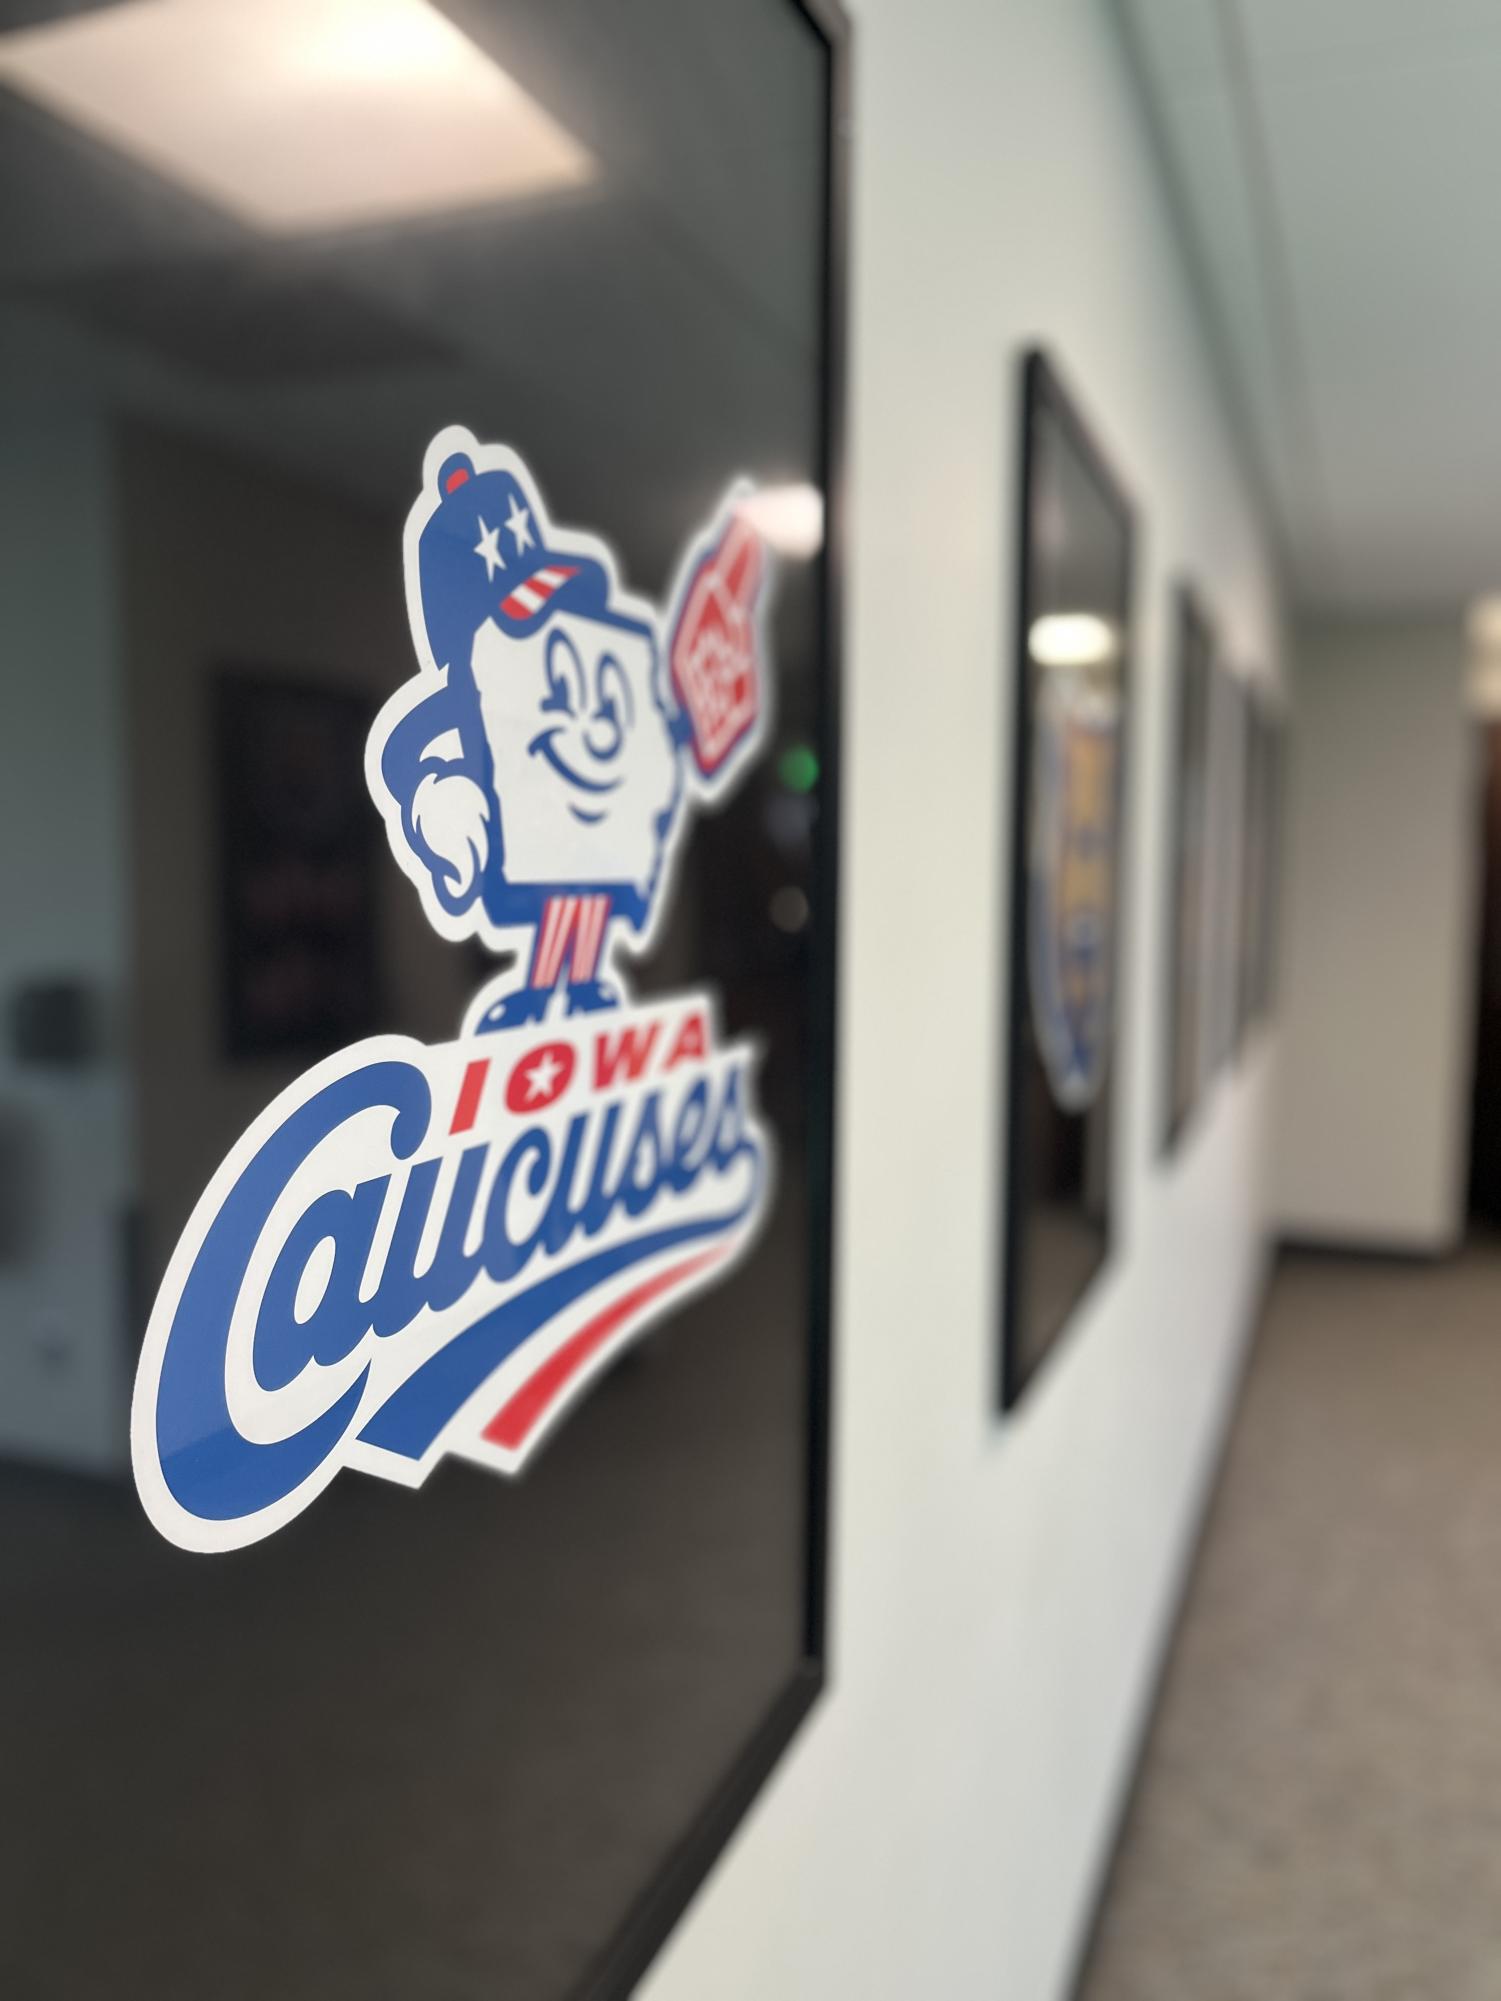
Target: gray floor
[{"x": 1319, "y": 1813}]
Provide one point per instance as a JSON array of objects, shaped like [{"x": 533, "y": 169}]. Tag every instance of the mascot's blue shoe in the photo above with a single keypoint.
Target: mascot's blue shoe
[
  {"x": 515, "y": 1010},
  {"x": 590, "y": 996}
]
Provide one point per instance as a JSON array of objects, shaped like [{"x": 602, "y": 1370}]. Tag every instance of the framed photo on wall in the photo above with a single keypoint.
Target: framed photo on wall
[
  {"x": 1072, "y": 698},
  {"x": 1273, "y": 763},
  {"x": 1226, "y": 791},
  {"x": 478, "y": 1443},
  {"x": 1183, "y": 1054},
  {"x": 1259, "y": 857},
  {"x": 1252, "y": 885},
  {"x": 1246, "y": 859}
]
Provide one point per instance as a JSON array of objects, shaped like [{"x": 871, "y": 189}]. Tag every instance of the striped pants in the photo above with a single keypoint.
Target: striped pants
[{"x": 571, "y": 935}]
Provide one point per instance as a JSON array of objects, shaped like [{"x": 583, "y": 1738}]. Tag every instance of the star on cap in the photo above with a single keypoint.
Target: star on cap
[
  {"x": 488, "y": 546},
  {"x": 519, "y": 522}
]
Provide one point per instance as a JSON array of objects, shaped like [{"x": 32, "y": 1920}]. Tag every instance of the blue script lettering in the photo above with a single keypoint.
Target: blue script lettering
[
  {"x": 211, "y": 1470},
  {"x": 573, "y": 1187}
]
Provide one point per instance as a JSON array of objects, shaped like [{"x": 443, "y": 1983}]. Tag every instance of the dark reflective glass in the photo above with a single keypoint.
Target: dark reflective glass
[
  {"x": 1073, "y": 694},
  {"x": 1188, "y": 935},
  {"x": 438, "y": 1742}
]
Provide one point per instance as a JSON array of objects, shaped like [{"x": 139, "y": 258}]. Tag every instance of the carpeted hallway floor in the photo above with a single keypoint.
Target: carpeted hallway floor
[{"x": 1319, "y": 1811}]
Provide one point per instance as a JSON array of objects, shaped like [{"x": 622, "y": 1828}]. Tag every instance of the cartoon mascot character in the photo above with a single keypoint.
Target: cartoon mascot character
[{"x": 534, "y": 775}]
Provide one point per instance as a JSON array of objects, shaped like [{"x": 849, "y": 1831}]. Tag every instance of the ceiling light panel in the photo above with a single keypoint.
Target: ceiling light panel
[{"x": 299, "y": 115}]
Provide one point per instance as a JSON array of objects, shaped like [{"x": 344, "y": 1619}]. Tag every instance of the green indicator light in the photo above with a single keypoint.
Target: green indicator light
[{"x": 797, "y": 767}]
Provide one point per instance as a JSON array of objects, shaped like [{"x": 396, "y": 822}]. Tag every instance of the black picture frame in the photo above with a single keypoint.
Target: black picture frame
[
  {"x": 1033, "y": 1319},
  {"x": 1274, "y": 734},
  {"x": 1188, "y": 898},
  {"x": 1226, "y": 788},
  {"x": 1251, "y": 873},
  {"x": 657, "y": 1909},
  {"x": 341, "y": 511},
  {"x": 1259, "y": 861}
]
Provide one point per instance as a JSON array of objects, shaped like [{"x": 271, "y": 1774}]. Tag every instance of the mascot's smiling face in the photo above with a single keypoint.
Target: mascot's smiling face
[
  {"x": 585, "y": 774},
  {"x": 557, "y": 724}
]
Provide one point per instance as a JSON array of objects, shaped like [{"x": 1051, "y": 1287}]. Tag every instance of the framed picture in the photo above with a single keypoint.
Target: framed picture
[
  {"x": 1252, "y": 874},
  {"x": 1183, "y": 1059},
  {"x": 476, "y": 1090},
  {"x": 1247, "y": 863},
  {"x": 1072, "y": 700},
  {"x": 1225, "y": 841},
  {"x": 297, "y": 895},
  {"x": 1273, "y": 779},
  {"x": 1259, "y": 861}
]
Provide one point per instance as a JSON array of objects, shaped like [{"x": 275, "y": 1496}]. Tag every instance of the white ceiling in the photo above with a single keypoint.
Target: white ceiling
[{"x": 1334, "y": 164}]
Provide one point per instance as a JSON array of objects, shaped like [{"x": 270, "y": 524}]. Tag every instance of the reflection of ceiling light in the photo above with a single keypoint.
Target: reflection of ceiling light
[
  {"x": 790, "y": 518},
  {"x": 298, "y": 114},
  {"x": 1483, "y": 623},
  {"x": 1071, "y": 639}
]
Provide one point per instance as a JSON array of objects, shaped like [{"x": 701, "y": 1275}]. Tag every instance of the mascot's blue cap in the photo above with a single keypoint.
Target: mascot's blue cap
[{"x": 481, "y": 556}]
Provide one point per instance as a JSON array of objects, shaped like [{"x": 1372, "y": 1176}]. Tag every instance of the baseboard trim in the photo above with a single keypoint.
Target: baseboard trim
[{"x": 1389, "y": 1250}]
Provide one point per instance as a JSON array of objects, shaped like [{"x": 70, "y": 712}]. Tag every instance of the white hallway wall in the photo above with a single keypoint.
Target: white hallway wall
[
  {"x": 66, "y": 1131},
  {"x": 1379, "y": 938},
  {"x": 999, "y": 1590}
]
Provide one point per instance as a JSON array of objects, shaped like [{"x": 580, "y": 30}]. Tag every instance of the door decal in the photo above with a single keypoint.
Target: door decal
[{"x": 421, "y": 1250}]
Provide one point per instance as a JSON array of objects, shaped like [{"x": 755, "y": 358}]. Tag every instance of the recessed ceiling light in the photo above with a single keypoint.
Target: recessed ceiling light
[
  {"x": 298, "y": 115},
  {"x": 789, "y": 518},
  {"x": 1071, "y": 639}
]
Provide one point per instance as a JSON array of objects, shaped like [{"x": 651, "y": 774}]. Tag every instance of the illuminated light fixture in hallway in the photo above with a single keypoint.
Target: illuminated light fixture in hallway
[
  {"x": 1071, "y": 639},
  {"x": 299, "y": 115}
]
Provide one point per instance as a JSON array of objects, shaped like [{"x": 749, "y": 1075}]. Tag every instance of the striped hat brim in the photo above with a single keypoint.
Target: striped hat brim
[{"x": 525, "y": 601}]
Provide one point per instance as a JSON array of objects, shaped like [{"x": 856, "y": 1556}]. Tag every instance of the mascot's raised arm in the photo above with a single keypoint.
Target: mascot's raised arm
[{"x": 535, "y": 774}]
